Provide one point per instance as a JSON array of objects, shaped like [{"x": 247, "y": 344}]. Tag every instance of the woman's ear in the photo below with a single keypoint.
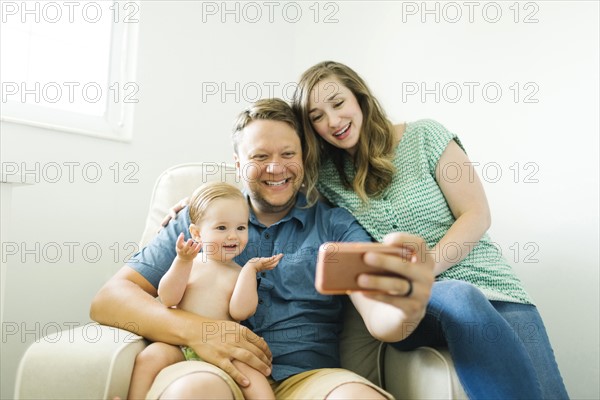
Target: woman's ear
[{"x": 195, "y": 232}]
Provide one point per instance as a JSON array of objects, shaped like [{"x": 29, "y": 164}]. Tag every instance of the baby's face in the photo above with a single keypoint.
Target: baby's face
[{"x": 224, "y": 229}]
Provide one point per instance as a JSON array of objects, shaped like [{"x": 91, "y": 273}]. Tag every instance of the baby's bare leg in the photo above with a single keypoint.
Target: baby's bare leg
[
  {"x": 259, "y": 388},
  {"x": 148, "y": 363}
]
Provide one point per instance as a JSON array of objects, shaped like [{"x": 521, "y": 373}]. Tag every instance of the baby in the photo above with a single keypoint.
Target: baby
[{"x": 210, "y": 284}]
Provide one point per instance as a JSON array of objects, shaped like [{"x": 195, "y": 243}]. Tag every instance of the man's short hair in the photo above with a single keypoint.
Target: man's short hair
[{"x": 266, "y": 109}]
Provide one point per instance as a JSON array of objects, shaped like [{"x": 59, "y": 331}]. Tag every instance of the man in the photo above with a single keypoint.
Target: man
[{"x": 300, "y": 325}]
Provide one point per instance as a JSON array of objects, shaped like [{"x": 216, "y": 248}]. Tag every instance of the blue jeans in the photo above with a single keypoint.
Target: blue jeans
[{"x": 500, "y": 349}]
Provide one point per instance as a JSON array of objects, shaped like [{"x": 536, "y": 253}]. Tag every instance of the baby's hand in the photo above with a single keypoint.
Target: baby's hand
[
  {"x": 187, "y": 250},
  {"x": 264, "y": 263}
]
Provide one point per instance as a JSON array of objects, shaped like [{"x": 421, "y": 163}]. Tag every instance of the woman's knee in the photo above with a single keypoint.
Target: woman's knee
[
  {"x": 459, "y": 300},
  {"x": 454, "y": 291}
]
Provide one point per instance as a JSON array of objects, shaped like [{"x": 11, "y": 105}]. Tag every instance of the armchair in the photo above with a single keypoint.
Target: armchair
[{"x": 95, "y": 361}]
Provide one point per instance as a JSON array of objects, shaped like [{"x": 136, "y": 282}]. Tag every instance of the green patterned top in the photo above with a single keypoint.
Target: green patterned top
[{"x": 414, "y": 203}]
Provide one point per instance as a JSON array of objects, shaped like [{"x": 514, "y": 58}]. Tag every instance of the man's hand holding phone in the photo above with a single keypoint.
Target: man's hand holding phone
[
  {"x": 398, "y": 271},
  {"x": 389, "y": 283},
  {"x": 341, "y": 265}
]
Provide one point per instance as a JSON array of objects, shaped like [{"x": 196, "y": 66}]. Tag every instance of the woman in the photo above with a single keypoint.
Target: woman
[{"x": 397, "y": 178}]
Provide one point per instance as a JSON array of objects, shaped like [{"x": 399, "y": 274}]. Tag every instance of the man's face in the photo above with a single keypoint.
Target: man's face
[{"x": 269, "y": 161}]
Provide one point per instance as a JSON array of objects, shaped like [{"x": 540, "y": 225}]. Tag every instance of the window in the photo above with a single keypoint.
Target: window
[{"x": 69, "y": 65}]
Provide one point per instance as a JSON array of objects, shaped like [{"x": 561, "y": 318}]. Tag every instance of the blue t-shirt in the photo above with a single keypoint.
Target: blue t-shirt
[{"x": 300, "y": 325}]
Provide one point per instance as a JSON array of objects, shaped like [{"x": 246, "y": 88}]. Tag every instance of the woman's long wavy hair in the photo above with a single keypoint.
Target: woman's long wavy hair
[{"x": 373, "y": 163}]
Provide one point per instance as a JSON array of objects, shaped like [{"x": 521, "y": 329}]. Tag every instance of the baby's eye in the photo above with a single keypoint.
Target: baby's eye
[
  {"x": 241, "y": 228},
  {"x": 221, "y": 227}
]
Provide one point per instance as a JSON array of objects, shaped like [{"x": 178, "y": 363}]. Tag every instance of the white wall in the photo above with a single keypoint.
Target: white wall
[{"x": 554, "y": 221}]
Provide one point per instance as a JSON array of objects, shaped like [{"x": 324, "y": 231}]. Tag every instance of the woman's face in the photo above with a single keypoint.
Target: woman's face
[{"x": 335, "y": 114}]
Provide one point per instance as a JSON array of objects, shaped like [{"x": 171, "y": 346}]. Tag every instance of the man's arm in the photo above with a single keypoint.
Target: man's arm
[
  {"x": 127, "y": 300},
  {"x": 390, "y": 315}
]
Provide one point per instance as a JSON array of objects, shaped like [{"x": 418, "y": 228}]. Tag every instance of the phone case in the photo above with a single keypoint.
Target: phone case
[{"x": 340, "y": 264}]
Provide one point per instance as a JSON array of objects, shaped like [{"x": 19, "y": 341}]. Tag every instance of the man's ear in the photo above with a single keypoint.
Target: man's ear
[
  {"x": 236, "y": 159},
  {"x": 195, "y": 232}
]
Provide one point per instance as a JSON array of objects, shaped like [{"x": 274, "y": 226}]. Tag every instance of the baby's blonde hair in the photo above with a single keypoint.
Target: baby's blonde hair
[{"x": 209, "y": 192}]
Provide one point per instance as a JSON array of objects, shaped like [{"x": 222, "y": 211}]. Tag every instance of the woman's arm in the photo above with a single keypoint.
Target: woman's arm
[
  {"x": 244, "y": 298},
  {"x": 172, "y": 285},
  {"x": 465, "y": 196}
]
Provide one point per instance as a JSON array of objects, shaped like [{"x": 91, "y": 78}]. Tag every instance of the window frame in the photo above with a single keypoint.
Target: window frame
[{"x": 117, "y": 121}]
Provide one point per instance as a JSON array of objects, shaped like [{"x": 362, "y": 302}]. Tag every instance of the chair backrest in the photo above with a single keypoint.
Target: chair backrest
[{"x": 178, "y": 182}]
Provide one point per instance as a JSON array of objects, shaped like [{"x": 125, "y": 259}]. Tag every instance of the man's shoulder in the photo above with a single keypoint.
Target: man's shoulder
[
  {"x": 323, "y": 206},
  {"x": 333, "y": 215},
  {"x": 331, "y": 223},
  {"x": 321, "y": 210}
]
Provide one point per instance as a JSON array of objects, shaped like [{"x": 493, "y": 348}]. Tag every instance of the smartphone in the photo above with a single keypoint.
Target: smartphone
[{"x": 340, "y": 263}]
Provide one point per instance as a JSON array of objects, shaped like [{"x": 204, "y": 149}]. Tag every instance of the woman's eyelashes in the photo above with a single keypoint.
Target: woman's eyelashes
[
  {"x": 316, "y": 118},
  {"x": 335, "y": 105}
]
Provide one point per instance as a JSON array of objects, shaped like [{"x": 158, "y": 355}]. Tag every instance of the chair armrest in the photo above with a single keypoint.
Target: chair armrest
[
  {"x": 89, "y": 362},
  {"x": 423, "y": 373}
]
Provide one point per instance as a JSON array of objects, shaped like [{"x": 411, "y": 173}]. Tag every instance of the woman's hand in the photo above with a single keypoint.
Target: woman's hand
[{"x": 172, "y": 214}]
